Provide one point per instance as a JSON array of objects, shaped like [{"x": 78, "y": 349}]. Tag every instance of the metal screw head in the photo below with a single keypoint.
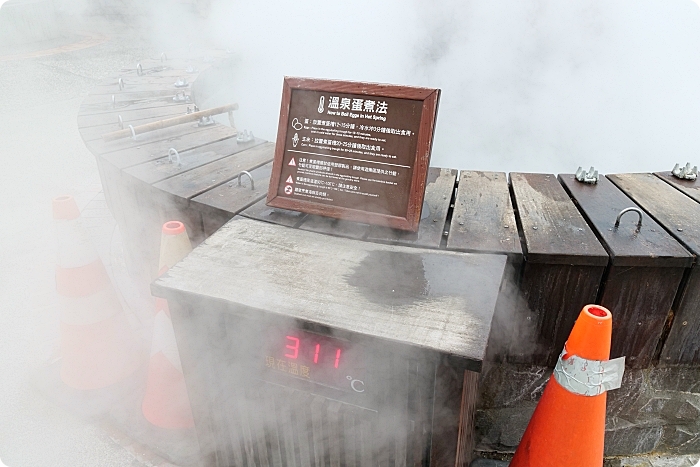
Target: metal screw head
[
  {"x": 685, "y": 323},
  {"x": 534, "y": 227},
  {"x": 679, "y": 229}
]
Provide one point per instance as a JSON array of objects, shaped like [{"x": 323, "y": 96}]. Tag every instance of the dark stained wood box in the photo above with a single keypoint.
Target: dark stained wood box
[
  {"x": 646, "y": 268},
  {"x": 483, "y": 221},
  {"x": 564, "y": 264},
  {"x": 670, "y": 203}
]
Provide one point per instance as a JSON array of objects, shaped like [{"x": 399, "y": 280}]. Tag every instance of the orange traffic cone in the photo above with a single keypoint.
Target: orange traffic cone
[
  {"x": 166, "y": 403},
  {"x": 97, "y": 344},
  {"x": 568, "y": 425}
]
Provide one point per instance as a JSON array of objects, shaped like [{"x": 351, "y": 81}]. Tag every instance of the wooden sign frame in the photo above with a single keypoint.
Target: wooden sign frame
[{"x": 421, "y": 160}]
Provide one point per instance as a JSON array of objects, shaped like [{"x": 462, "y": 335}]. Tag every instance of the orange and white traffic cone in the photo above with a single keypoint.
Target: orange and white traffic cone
[
  {"x": 166, "y": 403},
  {"x": 97, "y": 344},
  {"x": 568, "y": 425}
]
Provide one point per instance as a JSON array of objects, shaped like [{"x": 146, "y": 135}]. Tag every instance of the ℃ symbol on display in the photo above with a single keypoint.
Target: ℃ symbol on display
[
  {"x": 288, "y": 190},
  {"x": 290, "y": 179}
]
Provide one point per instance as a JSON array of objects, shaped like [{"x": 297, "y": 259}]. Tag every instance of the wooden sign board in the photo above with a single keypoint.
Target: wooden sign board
[{"x": 354, "y": 151}]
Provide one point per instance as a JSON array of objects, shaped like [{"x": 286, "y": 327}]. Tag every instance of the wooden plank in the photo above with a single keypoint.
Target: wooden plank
[
  {"x": 130, "y": 116},
  {"x": 319, "y": 434},
  {"x": 98, "y": 107},
  {"x": 627, "y": 246},
  {"x": 647, "y": 268},
  {"x": 263, "y": 212},
  {"x": 202, "y": 179},
  {"x": 97, "y": 102},
  {"x": 288, "y": 429},
  {"x": 159, "y": 169},
  {"x": 130, "y": 81},
  {"x": 554, "y": 230},
  {"x": 554, "y": 295},
  {"x": 438, "y": 196},
  {"x": 220, "y": 204},
  {"x": 680, "y": 215},
  {"x": 146, "y": 152},
  {"x": 689, "y": 187},
  {"x": 356, "y": 278},
  {"x": 336, "y": 227},
  {"x": 483, "y": 219},
  {"x": 139, "y": 90},
  {"x": 95, "y": 132},
  {"x": 683, "y": 343},
  {"x": 166, "y": 134},
  {"x": 449, "y": 387}
]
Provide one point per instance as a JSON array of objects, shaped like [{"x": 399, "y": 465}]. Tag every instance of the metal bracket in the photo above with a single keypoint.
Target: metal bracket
[
  {"x": 174, "y": 156},
  {"x": 626, "y": 210},
  {"x": 181, "y": 83},
  {"x": 180, "y": 96},
  {"x": 685, "y": 173},
  {"x": 250, "y": 177},
  {"x": 114, "y": 101},
  {"x": 133, "y": 133},
  {"x": 121, "y": 122},
  {"x": 245, "y": 137},
  {"x": 587, "y": 177},
  {"x": 139, "y": 69},
  {"x": 163, "y": 57},
  {"x": 120, "y": 82},
  {"x": 206, "y": 121}
]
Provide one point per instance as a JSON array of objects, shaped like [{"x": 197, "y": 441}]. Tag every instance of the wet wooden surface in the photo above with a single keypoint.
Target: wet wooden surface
[
  {"x": 483, "y": 219},
  {"x": 346, "y": 284}
]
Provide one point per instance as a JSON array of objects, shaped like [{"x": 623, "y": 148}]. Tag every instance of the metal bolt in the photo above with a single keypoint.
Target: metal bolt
[
  {"x": 534, "y": 227},
  {"x": 685, "y": 323},
  {"x": 679, "y": 229},
  {"x": 590, "y": 177},
  {"x": 685, "y": 173}
]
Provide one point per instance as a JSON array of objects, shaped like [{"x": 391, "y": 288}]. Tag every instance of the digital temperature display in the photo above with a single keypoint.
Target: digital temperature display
[{"x": 316, "y": 358}]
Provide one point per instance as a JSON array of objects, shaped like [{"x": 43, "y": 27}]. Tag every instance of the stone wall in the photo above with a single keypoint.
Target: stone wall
[{"x": 656, "y": 410}]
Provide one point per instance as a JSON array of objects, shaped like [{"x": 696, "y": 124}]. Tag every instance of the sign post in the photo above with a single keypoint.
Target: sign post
[{"x": 354, "y": 151}]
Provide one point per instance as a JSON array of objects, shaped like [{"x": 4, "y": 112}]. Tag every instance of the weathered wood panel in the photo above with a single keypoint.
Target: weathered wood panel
[
  {"x": 202, "y": 179},
  {"x": 172, "y": 134},
  {"x": 483, "y": 219},
  {"x": 680, "y": 216},
  {"x": 647, "y": 268},
  {"x": 146, "y": 152},
  {"x": 564, "y": 264},
  {"x": 157, "y": 113},
  {"x": 220, "y": 204},
  {"x": 164, "y": 167},
  {"x": 438, "y": 196},
  {"x": 345, "y": 284}
]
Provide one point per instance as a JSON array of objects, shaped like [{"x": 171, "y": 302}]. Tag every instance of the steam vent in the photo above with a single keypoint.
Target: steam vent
[{"x": 297, "y": 339}]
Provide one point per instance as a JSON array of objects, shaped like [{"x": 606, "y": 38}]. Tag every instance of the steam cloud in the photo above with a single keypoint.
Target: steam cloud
[{"x": 527, "y": 85}]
